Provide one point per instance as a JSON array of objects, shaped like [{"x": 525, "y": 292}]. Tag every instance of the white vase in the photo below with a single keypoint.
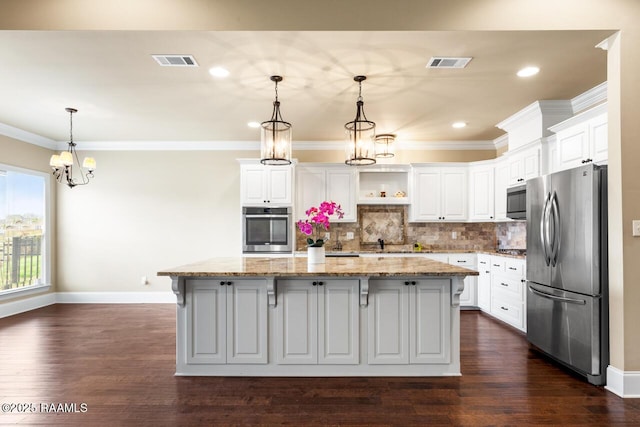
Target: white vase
[{"x": 315, "y": 255}]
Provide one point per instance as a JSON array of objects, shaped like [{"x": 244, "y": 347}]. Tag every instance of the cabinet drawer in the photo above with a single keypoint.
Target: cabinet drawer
[
  {"x": 514, "y": 267},
  {"x": 508, "y": 312},
  {"x": 462, "y": 259},
  {"x": 497, "y": 265},
  {"x": 511, "y": 287}
]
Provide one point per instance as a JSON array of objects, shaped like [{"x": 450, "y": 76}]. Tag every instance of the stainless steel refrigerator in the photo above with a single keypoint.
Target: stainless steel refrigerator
[{"x": 567, "y": 274}]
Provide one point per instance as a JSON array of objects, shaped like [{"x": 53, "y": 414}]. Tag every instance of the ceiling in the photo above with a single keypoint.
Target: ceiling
[{"x": 122, "y": 94}]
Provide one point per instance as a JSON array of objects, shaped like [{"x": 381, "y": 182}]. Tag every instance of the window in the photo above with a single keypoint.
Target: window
[{"x": 24, "y": 236}]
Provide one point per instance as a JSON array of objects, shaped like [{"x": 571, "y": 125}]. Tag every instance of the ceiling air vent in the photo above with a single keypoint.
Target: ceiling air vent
[
  {"x": 447, "y": 62},
  {"x": 176, "y": 60}
]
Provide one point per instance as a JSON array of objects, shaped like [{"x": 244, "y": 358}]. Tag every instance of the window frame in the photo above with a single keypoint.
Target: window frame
[{"x": 47, "y": 230}]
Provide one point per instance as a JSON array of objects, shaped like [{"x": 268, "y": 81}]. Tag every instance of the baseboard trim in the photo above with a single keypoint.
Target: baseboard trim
[
  {"x": 27, "y": 304},
  {"x": 115, "y": 297},
  {"x": 623, "y": 383}
]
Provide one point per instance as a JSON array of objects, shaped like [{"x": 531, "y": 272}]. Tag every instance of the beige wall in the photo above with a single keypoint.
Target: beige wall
[
  {"x": 401, "y": 156},
  {"x": 624, "y": 107},
  {"x": 28, "y": 156}
]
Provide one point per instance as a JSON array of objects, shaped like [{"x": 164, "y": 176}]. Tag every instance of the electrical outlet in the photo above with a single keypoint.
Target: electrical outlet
[
  {"x": 349, "y": 235},
  {"x": 327, "y": 236},
  {"x": 635, "y": 225},
  {"x": 454, "y": 235}
]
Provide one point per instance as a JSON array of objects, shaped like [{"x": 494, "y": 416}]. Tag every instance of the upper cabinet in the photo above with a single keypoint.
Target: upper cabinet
[
  {"x": 315, "y": 184},
  {"x": 439, "y": 193},
  {"x": 524, "y": 164},
  {"x": 262, "y": 185},
  {"x": 481, "y": 192},
  {"x": 581, "y": 139}
]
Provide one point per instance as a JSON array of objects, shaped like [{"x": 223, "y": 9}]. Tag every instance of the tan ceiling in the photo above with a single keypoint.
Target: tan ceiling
[{"x": 123, "y": 95}]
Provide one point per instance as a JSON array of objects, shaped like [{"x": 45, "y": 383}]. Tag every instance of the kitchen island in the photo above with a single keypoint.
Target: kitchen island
[{"x": 373, "y": 316}]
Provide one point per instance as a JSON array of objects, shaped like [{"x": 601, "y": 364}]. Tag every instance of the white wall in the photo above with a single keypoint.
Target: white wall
[{"x": 144, "y": 212}]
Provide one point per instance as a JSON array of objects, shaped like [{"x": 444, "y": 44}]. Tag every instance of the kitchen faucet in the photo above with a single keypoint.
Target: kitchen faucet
[{"x": 381, "y": 242}]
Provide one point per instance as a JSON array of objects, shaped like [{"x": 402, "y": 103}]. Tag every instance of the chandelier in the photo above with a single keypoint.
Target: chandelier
[
  {"x": 384, "y": 145},
  {"x": 360, "y": 134},
  {"x": 275, "y": 135},
  {"x": 63, "y": 163}
]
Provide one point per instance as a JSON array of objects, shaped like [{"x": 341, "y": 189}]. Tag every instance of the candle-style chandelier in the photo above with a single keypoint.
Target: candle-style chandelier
[{"x": 63, "y": 163}]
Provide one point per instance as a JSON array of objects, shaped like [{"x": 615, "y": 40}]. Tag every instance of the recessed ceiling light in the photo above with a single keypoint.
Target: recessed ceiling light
[
  {"x": 253, "y": 124},
  {"x": 218, "y": 72},
  {"x": 458, "y": 125},
  {"x": 528, "y": 71}
]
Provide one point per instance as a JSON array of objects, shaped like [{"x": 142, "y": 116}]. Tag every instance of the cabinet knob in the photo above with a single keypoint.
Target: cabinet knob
[
  {"x": 413, "y": 282},
  {"x": 229, "y": 283},
  {"x": 320, "y": 283},
  {"x": 222, "y": 283},
  {"x": 315, "y": 283},
  {"x": 490, "y": 217},
  {"x": 406, "y": 283}
]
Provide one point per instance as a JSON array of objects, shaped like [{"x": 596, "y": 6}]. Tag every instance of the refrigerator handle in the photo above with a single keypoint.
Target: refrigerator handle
[
  {"x": 544, "y": 229},
  {"x": 557, "y": 298},
  {"x": 555, "y": 249}
]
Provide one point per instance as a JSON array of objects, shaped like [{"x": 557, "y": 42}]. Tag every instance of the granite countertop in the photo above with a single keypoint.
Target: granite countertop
[
  {"x": 426, "y": 252},
  {"x": 297, "y": 267}
]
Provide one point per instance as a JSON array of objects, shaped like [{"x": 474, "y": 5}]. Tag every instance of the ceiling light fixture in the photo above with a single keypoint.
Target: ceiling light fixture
[
  {"x": 360, "y": 133},
  {"x": 219, "y": 72},
  {"x": 528, "y": 71},
  {"x": 62, "y": 164},
  {"x": 384, "y": 145},
  {"x": 275, "y": 136},
  {"x": 458, "y": 125}
]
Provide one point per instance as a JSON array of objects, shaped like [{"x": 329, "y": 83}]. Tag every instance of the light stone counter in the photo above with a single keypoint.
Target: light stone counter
[{"x": 297, "y": 267}]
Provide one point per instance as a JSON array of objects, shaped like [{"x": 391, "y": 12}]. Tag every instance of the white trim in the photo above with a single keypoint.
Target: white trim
[
  {"x": 162, "y": 145},
  {"x": 590, "y": 98},
  {"x": 501, "y": 141},
  {"x": 446, "y": 145},
  {"x": 552, "y": 108},
  {"x": 580, "y": 118},
  {"x": 24, "y": 136},
  {"x": 623, "y": 383},
  {"x": 115, "y": 297},
  {"x": 26, "y": 304}
]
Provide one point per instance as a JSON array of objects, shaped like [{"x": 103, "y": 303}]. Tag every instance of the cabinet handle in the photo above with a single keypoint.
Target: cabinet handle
[
  {"x": 406, "y": 283},
  {"x": 504, "y": 284},
  {"x": 487, "y": 272},
  {"x": 320, "y": 283},
  {"x": 504, "y": 308},
  {"x": 496, "y": 265},
  {"x": 512, "y": 268},
  {"x": 229, "y": 283},
  {"x": 413, "y": 282},
  {"x": 483, "y": 262},
  {"x": 460, "y": 260},
  {"x": 222, "y": 283},
  {"x": 587, "y": 161},
  {"x": 522, "y": 280},
  {"x": 315, "y": 283}
]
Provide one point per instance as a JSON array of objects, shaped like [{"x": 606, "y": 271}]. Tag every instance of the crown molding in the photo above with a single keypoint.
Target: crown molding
[
  {"x": 590, "y": 98},
  {"x": 24, "y": 136},
  {"x": 501, "y": 141},
  {"x": 552, "y": 108}
]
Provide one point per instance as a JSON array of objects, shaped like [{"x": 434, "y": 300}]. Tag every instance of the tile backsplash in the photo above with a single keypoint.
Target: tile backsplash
[{"x": 439, "y": 236}]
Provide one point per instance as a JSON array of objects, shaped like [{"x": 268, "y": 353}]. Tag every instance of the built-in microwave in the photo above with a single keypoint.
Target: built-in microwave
[
  {"x": 266, "y": 230},
  {"x": 517, "y": 202}
]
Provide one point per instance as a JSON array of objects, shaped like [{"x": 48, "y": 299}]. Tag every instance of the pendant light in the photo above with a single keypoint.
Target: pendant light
[
  {"x": 275, "y": 135},
  {"x": 360, "y": 134},
  {"x": 63, "y": 163},
  {"x": 384, "y": 145}
]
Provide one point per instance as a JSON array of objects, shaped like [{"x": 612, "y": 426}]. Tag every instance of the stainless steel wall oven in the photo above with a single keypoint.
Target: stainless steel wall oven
[{"x": 266, "y": 230}]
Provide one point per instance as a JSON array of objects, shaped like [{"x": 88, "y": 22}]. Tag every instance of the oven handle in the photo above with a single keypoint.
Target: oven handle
[
  {"x": 557, "y": 298},
  {"x": 265, "y": 216}
]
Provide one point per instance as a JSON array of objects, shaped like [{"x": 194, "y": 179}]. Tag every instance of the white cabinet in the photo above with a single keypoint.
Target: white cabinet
[
  {"x": 508, "y": 291},
  {"x": 317, "y": 322},
  {"x": 484, "y": 283},
  {"x": 439, "y": 194},
  {"x": 524, "y": 164},
  {"x": 315, "y": 184},
  {"x": 228, "y": 321},
  {"x": 406, "y": 319},
  {"x": 468, "y": 297},
  {"x": 262, "y": 185},
  {"x": 481, "y": 192},
  {"x": 581, "y": 139}
]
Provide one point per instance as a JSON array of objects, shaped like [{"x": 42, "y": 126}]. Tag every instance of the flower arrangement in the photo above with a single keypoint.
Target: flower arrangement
[{"x": 318, "y": 219}]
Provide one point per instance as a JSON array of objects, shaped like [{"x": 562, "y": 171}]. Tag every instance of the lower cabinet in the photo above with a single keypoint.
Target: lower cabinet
[
  {"x": 407, "y": 320},
  {"x": 227, "y": 321},
  {"x": 317, "y": 322},
  {"x": 484, "y": 282}
]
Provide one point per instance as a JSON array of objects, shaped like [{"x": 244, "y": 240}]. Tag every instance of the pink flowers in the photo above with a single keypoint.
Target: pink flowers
[{"x": 318, "y": 218}]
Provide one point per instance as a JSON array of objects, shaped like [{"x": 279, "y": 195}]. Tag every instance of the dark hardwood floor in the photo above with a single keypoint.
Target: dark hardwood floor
[{"x": 119, "y": 360}]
